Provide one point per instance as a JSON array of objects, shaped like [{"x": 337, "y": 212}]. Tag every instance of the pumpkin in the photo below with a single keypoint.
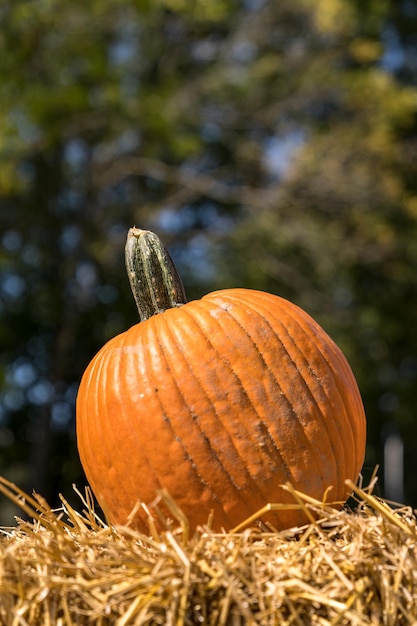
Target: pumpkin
[{"x": 219, "y": 401}]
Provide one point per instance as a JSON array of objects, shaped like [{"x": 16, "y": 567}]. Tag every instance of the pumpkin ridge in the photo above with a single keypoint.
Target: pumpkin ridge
[
  {"x": 192, "y": 311},
  {"x": 312, "y": 395},
  {"x": 92, "y": 380},
  {"x": 338, "y": 454},
  {"x": 180, "y": 439},
  {"x": 358, "y": 426},
  {"x": 83, "y": 425},
  {"x": 278, "y": 384},
  {"x": 126, "y": 410},
  {"x": 205, "y": 437},
  {"x": 99, "y": 368},
  {"x": 336, "y": 354}
]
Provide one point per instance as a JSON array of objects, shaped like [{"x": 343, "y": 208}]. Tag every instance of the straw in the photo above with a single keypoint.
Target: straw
[{"x": 68, "y": 567}]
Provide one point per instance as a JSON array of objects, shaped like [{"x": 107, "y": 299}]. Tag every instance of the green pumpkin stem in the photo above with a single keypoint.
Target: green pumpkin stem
[{"x": 154, "y": 279}]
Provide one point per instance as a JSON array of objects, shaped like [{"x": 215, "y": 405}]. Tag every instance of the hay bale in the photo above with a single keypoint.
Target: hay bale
[{"x": 69, "y": 567}]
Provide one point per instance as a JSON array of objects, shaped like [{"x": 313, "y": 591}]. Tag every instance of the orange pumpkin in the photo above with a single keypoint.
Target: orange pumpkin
[{"x": 220, "y": 401}]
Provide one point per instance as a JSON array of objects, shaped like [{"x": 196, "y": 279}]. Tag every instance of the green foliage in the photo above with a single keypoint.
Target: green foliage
[{"x": 271, "y": 145}]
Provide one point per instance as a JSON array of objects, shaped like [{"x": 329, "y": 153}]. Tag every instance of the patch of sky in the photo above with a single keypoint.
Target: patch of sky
[
  {"x": 122, "y": 52},
  {"x": 206, "y": 216},
  {"x": 85, "y": 286},
  {"x": 86, "y": 276},
  {"x": 280, "y": 151},
  {"x": 68, "y": 200},
  {"x": 61, "y": 415},
  {"x": 208, "y": 49},
  {"x": 22, "y": 374},
  {"x": 13, "y": 399},
  {"x": 117, "y": 230},
  {"x": 254, "y": 5},
  {"x": 243, "y": 51},
  {"x": 175, "y": 220},
  {"x": 393, "y": 58},
  {"x": 128, "y": 141},
  {"x": 211, "y": 218},
  {"x": 11, "y": 241},
  {"x": 12, "y": 286},
  {"x": 70, "y": 238},
  {"x": 193, "y": 258},
  {"x": 70, "y": 393},
  {"x": 205, "y": 50},
  {"x": 40, "y": 393},
  {"x": 211, "y": 132},
  {"x": 75, "y": 153},
  {"x": 125, "y": 46}
]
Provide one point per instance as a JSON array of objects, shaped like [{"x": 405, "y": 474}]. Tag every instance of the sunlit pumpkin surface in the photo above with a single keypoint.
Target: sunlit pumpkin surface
[{"x": 220, "y": 401}]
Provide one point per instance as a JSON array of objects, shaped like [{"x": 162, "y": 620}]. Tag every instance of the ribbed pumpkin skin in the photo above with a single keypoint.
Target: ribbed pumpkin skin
[{"x": 220, "y": 401}]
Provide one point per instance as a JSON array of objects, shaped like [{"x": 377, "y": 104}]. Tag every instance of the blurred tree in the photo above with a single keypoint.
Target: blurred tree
[{"x": 270, "y": 145}]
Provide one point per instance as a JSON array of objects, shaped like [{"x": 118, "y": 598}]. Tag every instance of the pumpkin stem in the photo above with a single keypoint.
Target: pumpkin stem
[{"x": 155, "y": 282}]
